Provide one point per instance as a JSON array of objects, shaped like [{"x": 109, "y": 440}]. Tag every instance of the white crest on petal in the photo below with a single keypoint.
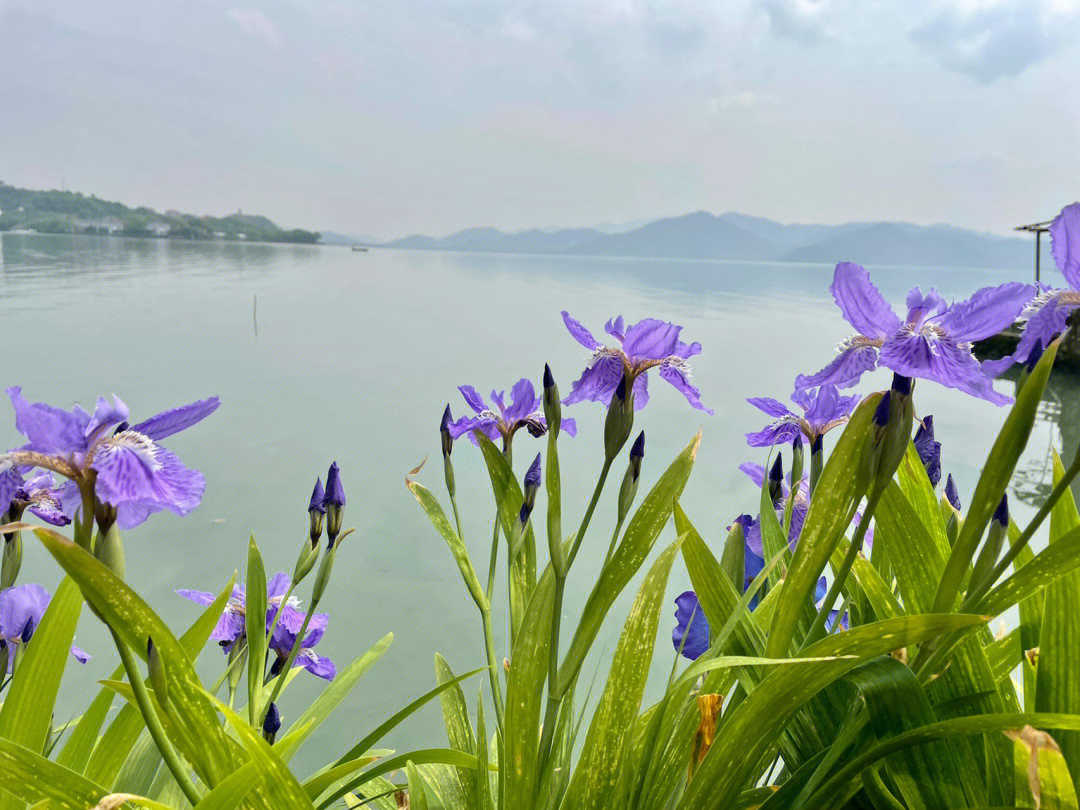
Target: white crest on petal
[{"x": 141, "y": 445}]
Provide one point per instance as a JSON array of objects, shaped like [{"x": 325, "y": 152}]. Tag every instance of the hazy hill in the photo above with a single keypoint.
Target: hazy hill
[
  {"x": 73, "y": 212},
  {"x": 702, "y": 235}
]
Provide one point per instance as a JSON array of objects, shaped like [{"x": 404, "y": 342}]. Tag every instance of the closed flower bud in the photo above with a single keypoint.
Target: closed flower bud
[
  {"x": 5, "y": 658},
  {"x": 776, "y": 479},
  {"x": 334, "y": 501},
  {"x": 12, "y": 559},
  {"x": 796, "y": 460},
  {"x": 271, "y": 723},
  {"x": 995, "y": 541},
  {"x": 27, "y": 631},
  {"x": 628, "y": 490},
  {"x": 951, "y": 495},
  {"x": 552, "y": 404},
  {"x": 619, "y": 421},
  {"x": 444, "y": 432},
  {"x": 1001, "y": 514},
  {"x": 157, "y": 673},
  {"x": 316, "y": 511}
]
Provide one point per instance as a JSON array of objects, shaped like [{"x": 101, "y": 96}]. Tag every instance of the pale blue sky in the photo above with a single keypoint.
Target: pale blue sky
[{"x": 411, "y": 116}]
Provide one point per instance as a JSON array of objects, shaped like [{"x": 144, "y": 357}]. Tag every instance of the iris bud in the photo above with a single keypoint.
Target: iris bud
[
  {"x": 157, "y": 673},
  {"x": 447, "y": 448},
  {"x": 891, "y": 432},
  {"x": 271, "y": 723},
  {"x": 532, "y": 484},
  {"x": 620, "y": 419},
  {"x": 323, "y": 577},
  {"x": 951, "y": 495},
  {"x": 109, "y": 550},
  {"x": 334, "y": 501},
  {"x": 628, "y": 491},
  {"x": 796, "y": 460},
  {"x": 776, "y": 479},
  {"x": 5, "y": 658},
  {"x": 995, "y": 540},
  {"x": 316, "y": 511},
  {"x": 552, "y": 405},
  {"x": 733, "y": 558},
  {"x": 27, "y": 631},
  {"x": 12, "y": 555}
]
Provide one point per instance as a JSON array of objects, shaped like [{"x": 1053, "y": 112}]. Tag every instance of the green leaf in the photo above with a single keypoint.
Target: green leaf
[
  {"x": 442, "y": 525},
  {"x": 597, "y": 772},
  {"x": 231, "y": 790},
  {"x": 995, "y": 477},
  {"x": 320, "y": 782},
  {"x": 1057, "y": 685},
  {"x": 275, "y": 773},
  {"x": 103, "y": 765},
  {"x": 373, "y": 737},
  {"x": 524, "y": 691},
  {"x": 417, "y": 794},
  {"x": 423, "y": 756},
  {"x": 329, "y": 699},
  {"x": 838, "y": 490},
  {"x": 749, "y": 729},
  {"x": 255, "y": 626},
  {"x": 134, "y": 622},
  {"x": 26, "y": 716},
  {"x": 645, "y": 526},
  {"x": 459, "y": 731},
  {"x": 1058, "y": 560},
  {"x": 483, "y": 792},
  {"x": 29, "y": 777}
]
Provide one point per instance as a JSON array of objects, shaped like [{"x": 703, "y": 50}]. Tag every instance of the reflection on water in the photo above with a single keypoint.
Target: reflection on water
[{"x": 1057, "y": 428}]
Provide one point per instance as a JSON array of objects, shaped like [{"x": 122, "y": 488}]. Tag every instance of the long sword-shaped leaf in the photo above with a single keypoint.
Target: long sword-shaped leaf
[
  {"x": 838, "y": 490},
  {"x": 255, "y": 625},
  {"x": 27, "y": 776},
  {"x": 995, "y": 477},
  {"x": 597, "y": 773},
  {"x": 645, "y": 527}
]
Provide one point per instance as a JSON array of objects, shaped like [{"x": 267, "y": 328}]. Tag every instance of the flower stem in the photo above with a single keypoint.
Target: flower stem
[
  {"x": 493, "y": 666},
  {"x": 153, "y": 722},
  {"x": 588, "y": 513},
  {"x": 279, "y": 682},
  {"x": 614, "y": 539}
]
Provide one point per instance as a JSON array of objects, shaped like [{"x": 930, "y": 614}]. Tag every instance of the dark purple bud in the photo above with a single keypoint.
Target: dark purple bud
[
  {"x": 523, "y": 515},
  {"x": 277, "y": 666},
  {"x": 776, "y": 478},
  {"x": 881, "y": 414},
  {"x": 620, "y": 389},
  {"x": 552, "y": 405},
  {"x": 549, "y": 379},
  {"x": 1036, "y": 353},
  {"x": 745, "y": 521},
  {"x": 272, "y": 723},
  {"x": 335, "y": 493},
  {"x": 317, "y": 496},
  {"x": 532, "y": 475},
  {"x": 901, "y": 384},
  {"x": 1001, "y": 514},
  {"x": 815, "y": 446},
  {"x": 444, "y": 432},
  {"x": 951, "y": 495},
  {"x": 929, "y": 450},
  {"x": 27, "y": 631},
  {"x": 638, "y": 449}
]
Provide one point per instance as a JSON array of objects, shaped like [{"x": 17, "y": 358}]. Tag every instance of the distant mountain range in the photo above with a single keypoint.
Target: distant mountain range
[{"x": 702, "y": 235}]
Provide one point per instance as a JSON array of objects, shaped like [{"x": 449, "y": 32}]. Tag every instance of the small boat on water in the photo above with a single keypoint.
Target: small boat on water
[{"x": 359, "y": 249}]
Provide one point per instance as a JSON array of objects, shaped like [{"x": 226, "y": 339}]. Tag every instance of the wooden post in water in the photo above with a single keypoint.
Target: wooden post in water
[{"x": 1037, "y": 228}]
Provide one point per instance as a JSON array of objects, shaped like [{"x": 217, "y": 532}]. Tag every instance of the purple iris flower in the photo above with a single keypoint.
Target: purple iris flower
[
  {"x": 929, "y": 449},
  {"x": 822, "y": 410},
  {"x": 306, "y": 657},
  {"x": 44, "y": 499},
  {"x": 503, "y": 421},
  {"x": 21, "y": 609},
  {"x": 647, "y": 344},
  {"x": 820, "y": 593},
  {"x": 131, "y": 471},
  {"x": 231, "y": 626},
  {"x": 691, "y": 633},
  {"x": 1045, "y": 316},
  {"x": 933, "y": 342},
  {"x": 799, "y": 508}
]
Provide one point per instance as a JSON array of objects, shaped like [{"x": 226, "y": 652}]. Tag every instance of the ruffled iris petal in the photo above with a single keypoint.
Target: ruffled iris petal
[
  {"x": 861, "y": 303},
  {"x": 770, "y": 406},
  {"x": 316, "y": 664},
  {"x": 174, "y": 420},
  {"x": 580, "y": 333},
  {"x": 941, "y": 360},
  {"x": 49, "y": 430},
  {"x": 20, "y": 604},
  {"x": 987, "y": 312},
  {"x": 845, "y": 369},
  {"x": 677, "y": 378},
  {"x": 1065, "y": 243},
  {"x": 651, "y": 339},
  {"x": 153, "y": 478},
  {"x": 776, "y": 433},
  {"x": 598, "y": 382}
]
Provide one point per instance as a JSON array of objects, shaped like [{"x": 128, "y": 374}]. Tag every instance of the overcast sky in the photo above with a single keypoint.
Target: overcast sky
[{"x": 396, "y": 117}]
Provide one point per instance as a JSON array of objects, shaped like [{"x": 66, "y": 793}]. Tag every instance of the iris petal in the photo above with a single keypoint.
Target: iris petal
[
  {"x": 580, "y": 333},
  {"x": 1065, "y": 243},
  {"x": 174, "y": 420},
  {"x": 651, "y": 339},
  {"x": 845, "y": 369},
  {"x": 861, "y": 303},
  {"x": 986, "y": 312},
  {"x": 598, "y": 381},
  {"x": 691, "y": 633}
]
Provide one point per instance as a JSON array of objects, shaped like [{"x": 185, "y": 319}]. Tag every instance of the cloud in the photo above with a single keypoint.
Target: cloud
[
  {"x": 744, "y": 100},
  {"x": 988, "y": 40},
  {"x": 800, "y": 20},
  {"x": 516, "y": 29},
  {"x": 257, "y": 25}
]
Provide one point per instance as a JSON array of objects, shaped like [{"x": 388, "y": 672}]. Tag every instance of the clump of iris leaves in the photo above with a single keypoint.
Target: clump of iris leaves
[{"x": 833, "y": 646}]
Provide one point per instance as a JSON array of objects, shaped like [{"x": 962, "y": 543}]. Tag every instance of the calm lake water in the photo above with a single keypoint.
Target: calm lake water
[{"x": 319, "y": 353}]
